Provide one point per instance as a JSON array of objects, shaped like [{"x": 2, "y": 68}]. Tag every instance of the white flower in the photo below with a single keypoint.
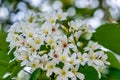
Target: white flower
[
  {"x": 73, "y": 60},
  {"x": 63, "y": 43},
  {"x": 92, "y": 58},
  {"x": 103, "y": 57},
  {"x": 39, "y": 39},
  {"x": 92, "y": 46},
  {"x": 61, "y": 15},
  {"x": 77, "y": 35},
  {"x": 71, "y": 39},
  {"x": 15, "y": 40},
  {"x": 39, "y": 42},
  {"x": 54, "y": 30},
  {"x": 30, "y": 16},
  {"x": 64, "y": 74},
  {"x": 87, "y": 28},
  {"x": 32, "y": 47},
  {"x": 50, "y": 40},
  {"x": 42, "y": 16},
  {"x": 77, "y": 74},
  {"x": 34, "y": 63},
  {"x": 15, "y": 29},
  {"x": 83, "y": 58},
  {"x": 55, "y": 55},
  {"x": 51, "y": 17},
  {"x": 64, "y": 57},
  {"x": 46, "y": 28},
  {"x": 97, "y": 60},
  {"x": 30, "y": 30},
  {"x": 75, "y": 25},
  {"x": 23, "y": 55},
  {"x": 50, "y": 67}
]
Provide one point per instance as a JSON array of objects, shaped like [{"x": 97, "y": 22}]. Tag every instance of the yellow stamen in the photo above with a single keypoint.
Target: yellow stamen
[
  {"x": 52, "y": 20},
  {"x": 30, "y": 34},
  {"x": 63, "y": 58},
  {"x": 59, "y": 16},
  {"x": 63, "y": 72},
  {"x": 37, "y": 41}
]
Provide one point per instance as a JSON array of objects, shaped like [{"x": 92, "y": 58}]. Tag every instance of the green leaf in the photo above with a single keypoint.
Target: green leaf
[
  {"x": 38, "y": 74},
  {"x": 89, "y": 72},
  {"x": 3, "y": 43},
  {"x": 4, "y": 58},
  {"x": 4, "y": 61},
  {"x": 108, "y": 35},
  {"x": 43, "y": 76},
  {"x": 3, "y": 70},
  {"x": 5, "y": 66},
  {"x": 84, "y": 12},
  {"x": 113, "y": 60},
  {"x": 104, "y": 77},
  {"x": 14, "y": 68},
  {"x": 60, "y": 65},
  {"x": 114, "y": 74}
]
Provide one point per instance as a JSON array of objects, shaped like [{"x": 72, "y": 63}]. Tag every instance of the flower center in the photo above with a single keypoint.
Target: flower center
[
  {"x": 55, "y": 55},
  {"x": 52, "y": 20},
  {"x": 30, "y": 34},
  {"x": 45, "y": 31},
  {"x": 81, "y": 58},
  {"x": 33, "y": 65},
  {"x": 63, "y": 73},
  {"x": 37, "y": 41},
  {"x": 59, "y": 16},
  {"x": 65, "y": 45},
  {"x": 51, "y": 66},
  {"x": 53, "y": 29},
  {"x": 31, "y": 19},
  {"x": 71, "y": 62},
  {"x": 63, "y": 58},
  {"x": 32, "y": 49}
]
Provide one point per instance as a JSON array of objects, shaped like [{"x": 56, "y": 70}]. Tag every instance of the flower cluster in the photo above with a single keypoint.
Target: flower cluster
[{"x": 46, "y": 41}]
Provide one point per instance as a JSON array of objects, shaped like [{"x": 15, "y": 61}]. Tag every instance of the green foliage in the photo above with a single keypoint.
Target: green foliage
[
  {"x": 114, "y": 74},
  {"x": 89, "y": 72},
  {"x": 113, "y": 60},
  {"x": 5, "y": 66},
  {"x": 4, "y": 58},
  {"x": 108, "y": 35},
  {"x": 3, "y": 43},
  {"x": 38, "y": 74},
  {"x": 14, "y": 68},
  {"x": 85, "y": 12}
]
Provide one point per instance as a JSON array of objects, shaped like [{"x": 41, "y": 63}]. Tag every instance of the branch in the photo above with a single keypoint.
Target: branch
[{"x": 108, "y": 15}]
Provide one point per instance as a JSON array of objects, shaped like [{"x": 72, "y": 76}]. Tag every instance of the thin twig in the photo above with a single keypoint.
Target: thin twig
[{"x": 108, "y": 15}]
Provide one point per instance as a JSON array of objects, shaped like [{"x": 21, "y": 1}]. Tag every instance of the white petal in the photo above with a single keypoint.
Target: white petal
[
  {"x": 108, "y": 63},
  {"x": 98, "y": 62},
  {"x": 57, "y": 70},
  {"x": 66, "y": 67},
  {"x": 73, "y": 56},
  {"x": 49, "y": 72},
  {"x": 70, "y": 74},
  {"x": 65, "y": 78},
  {"x": 80, "y": 76},
  {"x": 77, "y": 61},
  {"x": 58, "y": 78},
  {"x": 74, "y": 78}
]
